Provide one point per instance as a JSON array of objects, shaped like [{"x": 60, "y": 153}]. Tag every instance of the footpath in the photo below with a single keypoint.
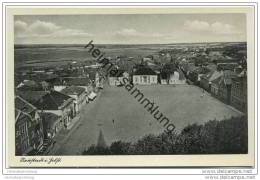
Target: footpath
[
  {"x": 60, "y": 139},
  {"x": 61, "y": 136}
]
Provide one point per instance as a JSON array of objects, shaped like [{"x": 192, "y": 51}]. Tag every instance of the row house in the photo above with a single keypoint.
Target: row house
[
  {"x": 225, "y": 86},
  {"x": 115, "y": 79},
  {"x": 62, "y": 83},
  {"x": 28, "y": 128},
  {"x": 221, "y": 86},
  {"x": 59, "y": 104},
  {"x": 53, "y": 118},
  {"x": 78, "y": 94},
  {"x": 239, "y": 93},
  {"x": 144, "y": 75}
]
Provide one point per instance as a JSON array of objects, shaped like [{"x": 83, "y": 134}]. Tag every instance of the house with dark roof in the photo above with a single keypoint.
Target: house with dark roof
[
  {"x": 78, "y": 94},
  {"x": 28, "y": 128},
  {"x": 59, "y": 104},
  {"x": 144, "y": 75}
]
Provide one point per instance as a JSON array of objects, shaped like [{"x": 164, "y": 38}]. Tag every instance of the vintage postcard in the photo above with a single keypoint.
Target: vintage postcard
[{"x": 130, "y": 87}]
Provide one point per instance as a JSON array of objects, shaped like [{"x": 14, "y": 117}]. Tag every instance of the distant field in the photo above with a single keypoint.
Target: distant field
[
  {"x": 130, "y": 52},
  {"x": 60, "y": 55}
]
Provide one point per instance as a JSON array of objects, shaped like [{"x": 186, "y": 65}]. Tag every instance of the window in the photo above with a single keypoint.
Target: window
[{"x": 145, "y": 79}]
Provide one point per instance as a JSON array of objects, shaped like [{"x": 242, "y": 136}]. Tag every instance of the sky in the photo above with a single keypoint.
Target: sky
[{"x": 129, "y": 28}]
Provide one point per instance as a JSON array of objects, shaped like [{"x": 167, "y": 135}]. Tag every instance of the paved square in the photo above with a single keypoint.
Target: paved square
[{"x": 121, "y": 117}]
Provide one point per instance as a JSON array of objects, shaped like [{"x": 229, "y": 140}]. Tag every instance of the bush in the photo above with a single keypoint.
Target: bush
[
  {"x": 96, "y": 150},
  {"x": 119, "y": 148},
  {"x": 231, "y": 136},
  {"x": 214, "y": 137}
]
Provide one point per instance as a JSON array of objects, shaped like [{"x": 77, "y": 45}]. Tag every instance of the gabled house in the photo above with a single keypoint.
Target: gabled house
[
  {"x": 144, "y": 75},
  {"x": 28, "y": 128},
  {"x": 78, "y": 94},
  {"x": 59, "y": 104}
]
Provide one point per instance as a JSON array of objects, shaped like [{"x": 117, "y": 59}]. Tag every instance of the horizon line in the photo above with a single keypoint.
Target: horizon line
[{"x": 134, "y": 43}]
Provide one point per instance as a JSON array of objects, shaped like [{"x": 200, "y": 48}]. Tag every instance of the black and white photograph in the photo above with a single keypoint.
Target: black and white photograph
[{"x": 130, "y": 84}]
